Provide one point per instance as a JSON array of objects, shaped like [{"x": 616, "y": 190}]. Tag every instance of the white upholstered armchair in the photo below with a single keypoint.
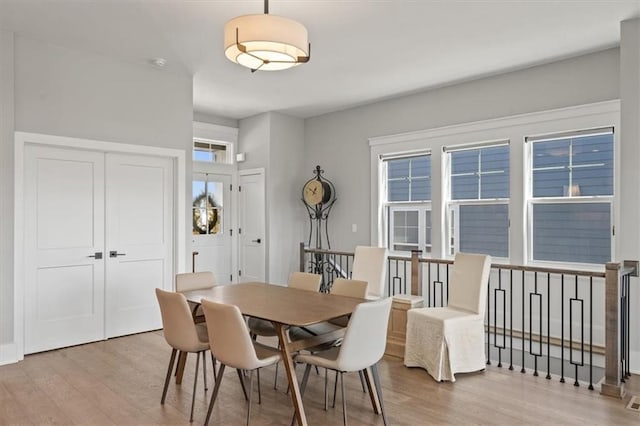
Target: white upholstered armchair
[{"x": 449, "y": 340}]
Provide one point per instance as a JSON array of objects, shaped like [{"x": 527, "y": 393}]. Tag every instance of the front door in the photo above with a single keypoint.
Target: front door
[
  {"x": 211, "y": 225},
  {"x": 251, "y": 206}
]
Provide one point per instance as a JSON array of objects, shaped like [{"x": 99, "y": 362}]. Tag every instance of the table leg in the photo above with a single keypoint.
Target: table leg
[
  {"x": 182, "y": 360},
  {"x": 375, "y": 401},
  {"x": 287, "y": 360}
]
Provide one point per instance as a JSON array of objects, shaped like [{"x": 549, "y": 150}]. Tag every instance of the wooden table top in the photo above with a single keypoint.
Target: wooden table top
[{"x": 285, "y": 305}]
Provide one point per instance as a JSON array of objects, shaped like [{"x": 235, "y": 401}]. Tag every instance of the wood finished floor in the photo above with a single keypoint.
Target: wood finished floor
[{"x": 119, "y": 381}]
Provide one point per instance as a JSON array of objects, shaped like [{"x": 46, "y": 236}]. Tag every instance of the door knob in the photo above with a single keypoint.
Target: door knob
[
  {"x": 97, "y": 255},
  {"x": 256, "y": 241},
  {"x": 114, "y": 253}
]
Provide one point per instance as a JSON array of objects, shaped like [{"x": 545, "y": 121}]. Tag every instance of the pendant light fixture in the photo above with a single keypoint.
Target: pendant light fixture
[{"x": 266, "y": 42}]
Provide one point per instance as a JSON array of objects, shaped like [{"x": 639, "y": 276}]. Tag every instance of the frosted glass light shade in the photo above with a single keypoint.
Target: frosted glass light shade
[{"x": 272, "y": 42}]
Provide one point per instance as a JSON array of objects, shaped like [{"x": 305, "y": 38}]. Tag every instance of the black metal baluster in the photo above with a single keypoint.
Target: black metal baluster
[
  {"x": 511, "y": 319},
  {"x": 522, "y": 370},
  {"x": 562, "y": 328},
  {"x": 548, "y": 326},
  {"x": 590, "y": 333}
]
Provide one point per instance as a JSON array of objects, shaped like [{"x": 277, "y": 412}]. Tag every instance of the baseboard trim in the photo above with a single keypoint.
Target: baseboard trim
[{"x": 9, "y": 353}]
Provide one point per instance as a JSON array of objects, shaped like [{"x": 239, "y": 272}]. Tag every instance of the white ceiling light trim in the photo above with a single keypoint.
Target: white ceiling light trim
[{"x": 266, "y": 42}]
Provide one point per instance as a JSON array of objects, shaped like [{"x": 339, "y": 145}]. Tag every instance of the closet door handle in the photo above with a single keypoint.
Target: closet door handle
[
  {"x": 97, "y": 255},
  {"x": 114, "y": 253}
]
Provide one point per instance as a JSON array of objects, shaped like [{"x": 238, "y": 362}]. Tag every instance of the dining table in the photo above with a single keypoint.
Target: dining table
[{"x": 287, "y": 307}]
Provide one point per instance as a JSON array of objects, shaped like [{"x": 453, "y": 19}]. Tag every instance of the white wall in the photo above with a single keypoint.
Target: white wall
[
  {"x": 6, "y": 191},
  {"x": 64, "y": 92},
  {"x": 338, "y": 141}
]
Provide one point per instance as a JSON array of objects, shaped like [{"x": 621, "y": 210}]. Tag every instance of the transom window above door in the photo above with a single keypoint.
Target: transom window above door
[{"x": 210, "y": 151}]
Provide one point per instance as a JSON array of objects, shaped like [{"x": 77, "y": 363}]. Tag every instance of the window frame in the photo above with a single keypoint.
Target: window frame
[
  {"x": 452, "y": 207},
  {"x": 531, "y": 201},
  {"x": 514, "y": 128},
  {"x": 421, "y": 207}
]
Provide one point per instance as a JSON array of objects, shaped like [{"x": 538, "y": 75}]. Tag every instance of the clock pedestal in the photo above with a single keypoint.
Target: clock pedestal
[{"x": 319, "y": 196}]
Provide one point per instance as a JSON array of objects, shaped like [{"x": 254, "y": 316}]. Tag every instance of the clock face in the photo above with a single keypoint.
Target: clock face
[{"x": 313, "y": 192}]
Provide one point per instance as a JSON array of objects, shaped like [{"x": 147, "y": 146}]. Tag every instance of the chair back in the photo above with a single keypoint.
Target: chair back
[
  {"x": 229, "y": 338},
  {"x": 366, "y": 336},
  {"x": 370, "y": 265},
  {"x": 194, "y": 281},
  {"x": 468, "y": 282},
  {"x": 350, "y": 288},
  {"x": 177, "y": 322},
  {"x": 305, "y": 281}
]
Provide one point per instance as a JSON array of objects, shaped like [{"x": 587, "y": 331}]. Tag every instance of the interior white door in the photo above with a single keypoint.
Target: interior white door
[
  {"x": 251, "y": 229},
  {"x": 64, "y": 228},
  {"x": 139, "y": 200},
  {"x": 211, "y": 225}
]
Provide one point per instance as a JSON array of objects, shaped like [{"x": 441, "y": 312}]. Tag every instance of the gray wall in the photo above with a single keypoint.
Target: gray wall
[
  {"x": 339, "y": 141},
  {"x": 214, "y": 119},
  {"x": 6, "y": 188},
  {"x": 275, "y": 142},
  {"x": 285, "y": 176},
  {"x": 65, "y": 92}
]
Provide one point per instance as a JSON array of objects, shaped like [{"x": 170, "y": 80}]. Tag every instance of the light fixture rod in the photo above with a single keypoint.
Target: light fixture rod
[{"x": 266, "y": 7}]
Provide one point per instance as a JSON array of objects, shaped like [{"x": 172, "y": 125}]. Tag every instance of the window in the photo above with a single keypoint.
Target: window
[
  {"x": 572, "y": 196},
  {"x": 408, "y": 202},
  {"x": 207, "y": 211},
  {"x": 211, "y": 151},
  {"x": 478, "y": 202}
]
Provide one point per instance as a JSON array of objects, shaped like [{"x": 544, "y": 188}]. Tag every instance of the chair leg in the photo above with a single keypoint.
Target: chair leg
[
  {"x": 335, "y": 390},
  {"x": 195, "y": 386},
  {"x": 250, "y": 396},
  {"x": 177, "y": 365},
  {"x": 326, "y": 384},
  {"x": 166, "y": 381},
  {"x": 216, "y": 388},
  {"x": 275, "y": 379},
  {"x": 259, "y": 393},
  {"x": 204, "y": 370},
  {"x": 361, "y": 374},
  {"x": 213, "y": 362},
  {"x": 376, "y": 381},
  {"x": 244, "y": 389},
  {"x": 344, "y": 400}
]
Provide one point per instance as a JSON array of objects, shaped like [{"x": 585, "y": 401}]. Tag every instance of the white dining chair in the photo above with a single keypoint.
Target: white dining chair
[
  {"x": 195, "y": 281},
  {"x": 370, "y": 265},
  {"x": 183, "y": 335},
  {"x": 232, "y": 345},
  {"x": 300, "y": 280},
  {"x": 362, "y": 347},
  {"x": 451, "y": 339}
]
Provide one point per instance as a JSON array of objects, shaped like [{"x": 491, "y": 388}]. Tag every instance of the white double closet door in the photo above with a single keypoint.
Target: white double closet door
[{"x": 98, "y": 241}]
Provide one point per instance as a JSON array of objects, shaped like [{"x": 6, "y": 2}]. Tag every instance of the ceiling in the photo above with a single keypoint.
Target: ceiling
[{"x": 362, "y": 51}]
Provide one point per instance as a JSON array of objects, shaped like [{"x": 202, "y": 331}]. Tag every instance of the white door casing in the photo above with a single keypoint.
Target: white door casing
[
  {"x": 139, "y": 240},
  {"x": 214, "y": 249},
  {"x": 64, "y": 225},
  {"x": 252, "y": 226}
]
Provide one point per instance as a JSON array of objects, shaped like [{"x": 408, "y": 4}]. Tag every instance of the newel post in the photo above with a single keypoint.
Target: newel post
[
  {"x": 301, "y": 257},
  {"x": 416, "y": 273},
  {"x": 612, "y": 384}
]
